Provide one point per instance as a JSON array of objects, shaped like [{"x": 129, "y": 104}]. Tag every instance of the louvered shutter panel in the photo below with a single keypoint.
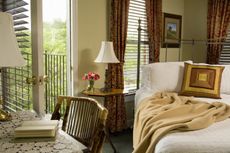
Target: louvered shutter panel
[
  {"x": 225, "y": 54},
  {"x": 18, "y": 10},
  {"x": 136, "y": 11}
]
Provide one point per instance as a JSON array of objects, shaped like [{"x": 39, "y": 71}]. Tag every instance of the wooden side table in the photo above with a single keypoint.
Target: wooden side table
[{"x": 98, "y": 93}]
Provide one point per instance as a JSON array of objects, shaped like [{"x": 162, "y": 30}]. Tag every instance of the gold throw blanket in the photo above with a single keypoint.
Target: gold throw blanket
[{"x": 167, "y": 112}]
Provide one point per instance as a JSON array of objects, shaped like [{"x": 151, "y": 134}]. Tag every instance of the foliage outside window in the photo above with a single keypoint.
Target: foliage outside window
[{"x": 55, "y": 50}]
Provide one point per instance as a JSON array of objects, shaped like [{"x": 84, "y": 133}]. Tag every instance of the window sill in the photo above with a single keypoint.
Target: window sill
[{"x": 130, "y": 92}]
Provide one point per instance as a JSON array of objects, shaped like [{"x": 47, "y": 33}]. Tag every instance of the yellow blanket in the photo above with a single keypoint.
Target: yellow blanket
[{"x": 167, "y": 112}]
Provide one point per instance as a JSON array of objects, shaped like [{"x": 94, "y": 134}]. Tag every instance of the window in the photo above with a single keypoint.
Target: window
[
  {"x": 55, "y": 44},
  {"x": 14, "y": 89},
  {"x": 17, "y": 94},
  {"x": 225, "y": 54},
  {"x": 54, "y": 26},
  {"x": 136, "y": 11}
]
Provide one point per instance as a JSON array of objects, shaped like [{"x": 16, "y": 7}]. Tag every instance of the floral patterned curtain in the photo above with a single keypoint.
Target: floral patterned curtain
[
  {"x": 218, "y": 22},
  {"x": 154, "y": 27},
  {"x": 118, "y": 33}
]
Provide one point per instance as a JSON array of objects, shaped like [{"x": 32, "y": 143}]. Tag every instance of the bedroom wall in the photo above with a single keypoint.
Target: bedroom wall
[
  {"x": 194, "y": 20},
  {"x": 92, "y": 29},
  {"x": 195, "y": 26},
  {"x": 173, "y": 7}
]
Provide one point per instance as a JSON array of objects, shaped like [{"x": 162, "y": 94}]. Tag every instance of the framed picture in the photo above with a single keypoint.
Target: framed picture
[{"x": 171, "y": 30}]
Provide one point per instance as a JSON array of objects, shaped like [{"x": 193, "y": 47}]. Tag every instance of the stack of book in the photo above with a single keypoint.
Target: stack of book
[{"x": 39, "y": 128}]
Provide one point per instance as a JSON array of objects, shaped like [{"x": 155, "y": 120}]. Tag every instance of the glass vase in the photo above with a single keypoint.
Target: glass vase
[{"x": 90, "y": 86}]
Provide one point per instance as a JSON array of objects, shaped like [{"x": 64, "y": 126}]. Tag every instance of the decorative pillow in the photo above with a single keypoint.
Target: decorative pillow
[{"x": 202, "y": 80}]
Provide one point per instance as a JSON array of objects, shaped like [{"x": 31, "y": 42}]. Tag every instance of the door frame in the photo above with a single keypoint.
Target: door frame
[
  {"x": 37, "y": 56},
  {"x": 37, "y": 51}
]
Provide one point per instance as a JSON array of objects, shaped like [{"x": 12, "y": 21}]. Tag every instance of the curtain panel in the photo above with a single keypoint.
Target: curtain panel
[
  {"x": 217, "y": 26},
  {"x": 1, "y": 6},
  {"x": 154, "y": 28},
  {"x": 118, "y": 33}
]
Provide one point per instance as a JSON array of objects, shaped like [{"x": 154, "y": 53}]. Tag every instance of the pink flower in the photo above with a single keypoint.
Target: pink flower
[{"x": 91, "y": 76}]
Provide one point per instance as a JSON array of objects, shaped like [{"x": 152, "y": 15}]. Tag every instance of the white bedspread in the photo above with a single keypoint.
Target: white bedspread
[{"x": 214, "y": 139}]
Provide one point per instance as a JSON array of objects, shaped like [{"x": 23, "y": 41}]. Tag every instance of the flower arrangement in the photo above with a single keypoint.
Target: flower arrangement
[{"x": 91, "y": 76}]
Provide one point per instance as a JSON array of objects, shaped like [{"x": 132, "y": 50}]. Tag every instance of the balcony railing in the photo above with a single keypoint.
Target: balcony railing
[
  {"x": 17, "y": 94},
  {"x": 55, "y": 69}
]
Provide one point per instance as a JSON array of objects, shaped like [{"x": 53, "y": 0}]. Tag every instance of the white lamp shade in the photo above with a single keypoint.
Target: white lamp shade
[
  {"x": 106, "y": 54},
  {"x": 10, "y": 55}
]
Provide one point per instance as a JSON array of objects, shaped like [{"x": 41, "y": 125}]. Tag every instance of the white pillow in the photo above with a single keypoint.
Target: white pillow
[
  {"x": 225, "y": 80},
  {"x": 164, "y": 76},
  {"x": 145, "y": 76}
]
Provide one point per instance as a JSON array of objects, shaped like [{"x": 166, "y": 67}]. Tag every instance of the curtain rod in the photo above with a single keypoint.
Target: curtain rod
[{"x": 193, "y": 41}]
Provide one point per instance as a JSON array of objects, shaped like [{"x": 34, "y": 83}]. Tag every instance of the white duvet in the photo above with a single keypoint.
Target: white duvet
[{"x": 214, "y": 139}]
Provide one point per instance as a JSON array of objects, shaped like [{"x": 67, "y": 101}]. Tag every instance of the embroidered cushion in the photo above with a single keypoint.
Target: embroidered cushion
[{"x": 202, "y": 80}]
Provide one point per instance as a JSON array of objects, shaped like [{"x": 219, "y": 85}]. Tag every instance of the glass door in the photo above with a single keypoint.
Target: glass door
[
  {"x": 43, "y": 42},
  {"x": 55, "y": 53}
]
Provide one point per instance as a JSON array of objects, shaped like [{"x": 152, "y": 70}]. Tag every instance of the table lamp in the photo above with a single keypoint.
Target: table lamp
[
  {"x": 10, "y": 55},
  {"x": 106, "y": 55}
]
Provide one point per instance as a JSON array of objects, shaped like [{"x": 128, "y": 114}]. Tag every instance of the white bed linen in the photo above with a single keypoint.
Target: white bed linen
[{"x": 214, "y": 139}]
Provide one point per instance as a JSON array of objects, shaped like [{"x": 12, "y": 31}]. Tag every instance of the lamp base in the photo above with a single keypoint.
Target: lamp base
[
  {"x": 106, "y": 85},
  {"x": 4, "y": 116}
]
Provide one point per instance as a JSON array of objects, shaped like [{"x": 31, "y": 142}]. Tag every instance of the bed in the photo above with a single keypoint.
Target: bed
[{"x": 214, "y": 139}]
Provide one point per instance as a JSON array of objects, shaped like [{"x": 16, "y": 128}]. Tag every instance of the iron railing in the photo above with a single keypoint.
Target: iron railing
[
  {"x": 55, "y": 69},
  {"x": 17, "y": 94}
]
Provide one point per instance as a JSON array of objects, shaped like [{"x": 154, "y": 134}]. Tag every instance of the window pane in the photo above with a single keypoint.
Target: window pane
[
  {"x": 54, "y": 18},
  {"x": 55, "y": 14},
  {"x": 136, "y": 11}
]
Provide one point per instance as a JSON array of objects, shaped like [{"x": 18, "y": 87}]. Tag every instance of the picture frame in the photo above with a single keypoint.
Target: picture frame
[{"x": 171, "y": 30}]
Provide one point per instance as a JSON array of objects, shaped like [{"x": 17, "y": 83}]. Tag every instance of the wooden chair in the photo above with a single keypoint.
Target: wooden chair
[{"x": 84, "y": 119}]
